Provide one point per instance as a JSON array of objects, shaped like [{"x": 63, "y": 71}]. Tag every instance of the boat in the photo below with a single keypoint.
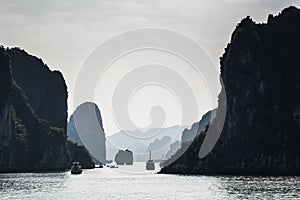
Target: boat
[
  {"x": 150, "y": 165},
  {"x": 162, "y": 163},
  {"x": 113, "y": 166},
  {"x": 99, "y": 166},
  {"x": 76, "y": 168}
]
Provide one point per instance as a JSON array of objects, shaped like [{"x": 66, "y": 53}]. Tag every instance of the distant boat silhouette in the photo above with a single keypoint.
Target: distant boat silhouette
[
  {"x": 150, "y": 163},
  {"x": 76, "y": 168},
  {"x": 113, "y": 165}
]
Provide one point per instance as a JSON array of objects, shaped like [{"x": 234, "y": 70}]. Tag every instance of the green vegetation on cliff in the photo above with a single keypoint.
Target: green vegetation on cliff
[{"x": 29, "y": 142}]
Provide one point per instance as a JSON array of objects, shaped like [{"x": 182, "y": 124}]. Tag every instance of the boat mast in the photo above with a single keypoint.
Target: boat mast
[{"x": 150, "y": 155}]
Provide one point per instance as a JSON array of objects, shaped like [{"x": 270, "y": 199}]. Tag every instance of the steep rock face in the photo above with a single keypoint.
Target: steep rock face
[
  {"x": 189, "y": 134},
  {"x": 46, "y": 90},
  {"x": 6, "y": 122},
  {"x": 173, "y": 148},
  {"x": 81, "y": 154},
  {"x": 44, "y": 146},
  {"x": 87, "y": 120},
  {"x": 27, "y": 141},
  {"x": 72, "y": 132},
  {"x": 260, "y": 70}
]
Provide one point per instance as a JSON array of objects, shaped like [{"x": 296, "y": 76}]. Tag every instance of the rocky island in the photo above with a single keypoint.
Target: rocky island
[
  {"x": 33, "y": 116},
  {"x": 124, "y": 157},
  {"x": 260, "y": 70},
  {"x": 87, "y": 121}
]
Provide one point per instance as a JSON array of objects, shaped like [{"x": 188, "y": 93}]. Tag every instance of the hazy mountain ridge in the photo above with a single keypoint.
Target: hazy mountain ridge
[
  {"x": 140, "y": 145},
  {"x": 198, "y": 127},
  {"x": 158, "y": 144},
  {"x": 173, "y": 149},
  {"x": 260, "y": 71}
]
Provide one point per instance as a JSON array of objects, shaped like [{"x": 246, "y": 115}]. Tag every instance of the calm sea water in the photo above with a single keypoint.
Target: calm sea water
[{"x": 133, "y": 182}]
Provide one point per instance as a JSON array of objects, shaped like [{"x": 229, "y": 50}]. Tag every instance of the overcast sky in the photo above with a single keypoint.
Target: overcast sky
[{"x": 64, "y": 32}]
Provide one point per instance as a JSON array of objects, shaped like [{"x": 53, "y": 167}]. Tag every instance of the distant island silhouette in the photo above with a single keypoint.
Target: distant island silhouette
[{"x": 124, "y": 157}]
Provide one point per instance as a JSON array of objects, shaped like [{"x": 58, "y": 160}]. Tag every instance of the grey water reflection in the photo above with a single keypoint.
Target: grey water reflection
[{"x": 109, "y": 183}]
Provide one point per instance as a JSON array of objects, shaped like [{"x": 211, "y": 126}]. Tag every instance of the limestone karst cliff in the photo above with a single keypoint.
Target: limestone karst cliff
[
  {"x": 86, "y": 124},
  {"x": 28, "y": 141},
  {"x": 261, "y": 74},
  {"x": 46, "y": 90}
]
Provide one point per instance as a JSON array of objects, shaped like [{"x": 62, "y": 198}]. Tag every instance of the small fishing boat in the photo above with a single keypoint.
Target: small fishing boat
[
  {"x": 113, "y": 166},
  {"x": 150, "y": 165},
  {"x": 76, "y": 168},
  {"x": 99, "y": 166}
]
